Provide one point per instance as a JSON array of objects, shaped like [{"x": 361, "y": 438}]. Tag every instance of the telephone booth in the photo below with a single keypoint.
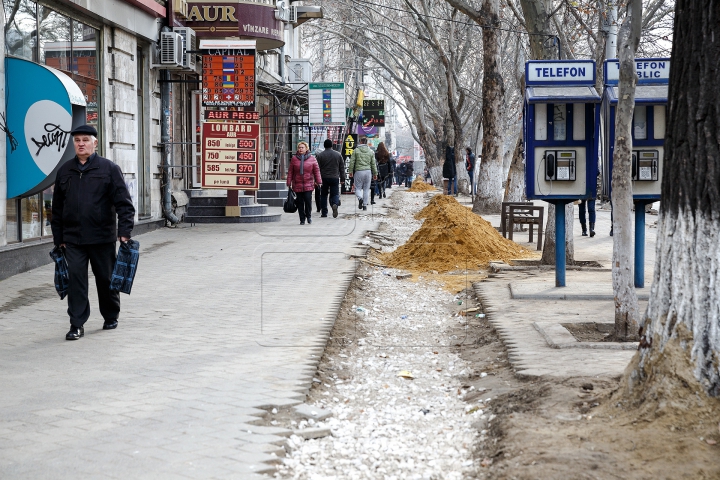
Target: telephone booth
[
  {"x": 648, "y": 138},
  {"x": 561, "y": 133}
]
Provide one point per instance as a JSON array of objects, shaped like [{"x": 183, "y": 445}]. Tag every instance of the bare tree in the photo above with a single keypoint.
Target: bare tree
[{"x": 680, "y": 342}]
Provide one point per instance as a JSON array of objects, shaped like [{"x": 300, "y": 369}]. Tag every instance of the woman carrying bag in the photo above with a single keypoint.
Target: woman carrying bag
[
  {"x": 303, "y": 175},
  {"x": 382, "y": 157}
]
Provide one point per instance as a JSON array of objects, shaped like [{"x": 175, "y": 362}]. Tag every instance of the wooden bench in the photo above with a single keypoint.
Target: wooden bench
[
  {"x": 504, "y": 215},
  {"x": 525, "y": 215}
]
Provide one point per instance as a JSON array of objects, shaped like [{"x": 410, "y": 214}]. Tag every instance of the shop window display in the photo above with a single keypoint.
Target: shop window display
[
  {"x": 12, "y": 221},
  {"x": 47, "y": 197},
  {"x": 30, "y": 217}
]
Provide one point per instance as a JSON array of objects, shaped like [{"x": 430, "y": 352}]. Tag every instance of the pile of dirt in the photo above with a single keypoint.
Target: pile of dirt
[
  {"x": 419, "y": 185},
  {"x": 451, "y": 238}
]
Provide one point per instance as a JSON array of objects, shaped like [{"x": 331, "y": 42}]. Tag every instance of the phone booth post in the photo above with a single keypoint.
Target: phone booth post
[
  {"x": 561, "y": 133},
  {"x": 648, "y": 138}
]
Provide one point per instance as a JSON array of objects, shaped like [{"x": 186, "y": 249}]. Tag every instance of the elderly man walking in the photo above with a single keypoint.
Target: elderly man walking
[
  {"x": 91, "y": 210},
  {"x": 363, "y": 169}
]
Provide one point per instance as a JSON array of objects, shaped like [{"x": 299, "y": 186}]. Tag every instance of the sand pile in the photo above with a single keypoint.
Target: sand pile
[
  {"x": 452, "y": 238},
  {"x": 419, "y": 185}
]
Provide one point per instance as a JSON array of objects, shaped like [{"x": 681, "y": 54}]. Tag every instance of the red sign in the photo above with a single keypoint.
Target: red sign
[
  {"x": 231, "y": 115},
  {"x": 228, "y": 80},
  {"x": 230, "y": 156}
]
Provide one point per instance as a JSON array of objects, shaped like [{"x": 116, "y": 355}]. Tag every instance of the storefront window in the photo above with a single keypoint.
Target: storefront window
[
  {"x": 30, "y": 216},
  {"x": 55, "y": 39},
  {"x": 47, "y": 197},
  {"x": 21, "y": 29},
  {"x": 12, "y": 221}
]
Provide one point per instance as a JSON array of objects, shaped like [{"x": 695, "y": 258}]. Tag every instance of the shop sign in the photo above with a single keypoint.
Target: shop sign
[
  {"x": 230, "y": 156},
  {"x": 43, "y": 106},
  {"x": 240, "y": 18},
  {"x": 373, "y": 113},
  {"x": 228, "y": 80},
  {"x": 326, "y": 104},
  {"x": 233, "y": 115},
  {"x": 348, "y": 148}
]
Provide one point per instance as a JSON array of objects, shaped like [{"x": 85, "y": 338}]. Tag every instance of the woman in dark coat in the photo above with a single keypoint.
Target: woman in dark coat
[
  {"x": 449, "y": 169},
  {"x": 303, "y": 175},
  {"x": 382, "y": 158}
]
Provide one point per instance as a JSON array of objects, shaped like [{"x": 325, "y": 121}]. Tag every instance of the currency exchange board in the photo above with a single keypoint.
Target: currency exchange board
[
  {"x": 228, "y": 80},
  {"x": 230, "y": 155}
]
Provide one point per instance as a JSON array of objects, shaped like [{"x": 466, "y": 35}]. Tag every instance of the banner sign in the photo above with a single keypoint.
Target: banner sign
[
  {"x": 231, "y": 115},
  {"x": 560, "y": 72},
  {"x": 228, "y": 80},
  {"x": 649, "y": 70},
  {"x": 373, "y": 113},
  {"x": 348, "y": 148},
  {"x": 326, "y": 104},
  {"x": 230, "y": 156}
]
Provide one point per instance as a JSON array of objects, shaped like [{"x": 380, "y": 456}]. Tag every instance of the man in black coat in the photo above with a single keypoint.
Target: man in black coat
[
  {"x": 332, "y": 171},
  {"x": 90, "y": 197}
]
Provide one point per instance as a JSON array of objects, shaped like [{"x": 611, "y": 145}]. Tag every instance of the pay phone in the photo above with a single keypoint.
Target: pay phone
[
  {"x": 645, "y": 165},
  {"x": 560, "y": 165}
]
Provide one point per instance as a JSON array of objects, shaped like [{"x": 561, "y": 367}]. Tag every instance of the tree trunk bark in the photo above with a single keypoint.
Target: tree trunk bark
[
  {"x": 548, "y": 254},
  {"x": 683, "y": 314},
  {"x": 626, "y": 302},
  {"x": 515, "y": 187},
  {"x": 489, "y": 189}
]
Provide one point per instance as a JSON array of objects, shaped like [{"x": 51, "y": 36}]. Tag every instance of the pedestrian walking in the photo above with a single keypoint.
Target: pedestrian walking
[
  {"x": 450, "y": 169},
  {"x": 409, "y": 173},
  {"x": 392, "y": 166},
  {"x": 363, "y": 170},
  {"x": 332, "y": 172},
  {"x": 470, "y": 167},
  {"x": 303, "y": 176},
  {"x": 382, "y": 158},
  {"x": 400, "y": 172},
  {"x": 91, "y": 210},
  {"x": 590, "y": 206}
]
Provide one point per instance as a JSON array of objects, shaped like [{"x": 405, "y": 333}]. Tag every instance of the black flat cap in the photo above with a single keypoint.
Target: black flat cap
[{"x": 84, "y": 130}]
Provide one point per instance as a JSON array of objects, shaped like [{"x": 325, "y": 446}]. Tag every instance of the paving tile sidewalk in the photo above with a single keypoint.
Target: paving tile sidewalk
[{"x": 223, "y": 321}]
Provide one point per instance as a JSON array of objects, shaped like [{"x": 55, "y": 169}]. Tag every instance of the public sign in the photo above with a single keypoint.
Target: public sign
[
  {"x": 566, "y": 72},
  {"x": 233, "y": 115},
  {"x": 348, "y": 148},
  {"x": 43, "y": 106},
  {"x": 230, "y": 156},
  {"x": 649, "y": 70},
  {"x": 228, "y": 80},
  {"x": 326, "y": 104},
  {"x": 373, "y": 113}
]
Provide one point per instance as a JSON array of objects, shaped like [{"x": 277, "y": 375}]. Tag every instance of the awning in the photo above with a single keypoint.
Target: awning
[
  {"x": 561, "y": 95},
  {"x": 285, "y": 92},
  {"x": 644, "y": 94}
]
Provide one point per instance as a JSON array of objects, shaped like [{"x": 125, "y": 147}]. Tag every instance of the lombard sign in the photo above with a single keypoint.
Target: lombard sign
[
  {"x": 254, "y": 19},
  {"x": 43, "y": 106},
  {"x": 566, "y": 72},
  {"x": 649, "y": 71}
]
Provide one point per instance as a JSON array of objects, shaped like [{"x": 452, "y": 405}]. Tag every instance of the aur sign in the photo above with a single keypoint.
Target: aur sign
[{"x": 247, "y": 19}]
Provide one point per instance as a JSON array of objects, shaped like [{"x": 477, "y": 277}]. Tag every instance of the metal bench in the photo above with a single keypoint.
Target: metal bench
[{"x": 525, "y": 215}]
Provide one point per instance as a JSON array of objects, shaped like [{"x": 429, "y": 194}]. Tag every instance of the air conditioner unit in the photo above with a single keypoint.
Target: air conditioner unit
[
  {"x": 171, "y": 50},
  {"x": 189, "y": 41},
  {"x": 180, "y": 7},
  {"x": 292, "y": 18}
]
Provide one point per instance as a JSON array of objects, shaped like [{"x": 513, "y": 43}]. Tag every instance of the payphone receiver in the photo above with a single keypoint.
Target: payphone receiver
[
  {"x": 634, "y": 166},
  {"x": 550, "y": 165}
]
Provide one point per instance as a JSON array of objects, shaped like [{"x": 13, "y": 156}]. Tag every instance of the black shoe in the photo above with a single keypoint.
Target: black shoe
[
  {"x": 584, "y": 234},
  {"x": 324, "y": 215},
  {"x": 309, "y": 221},
  {"x": 360, "y": 205},
  {"x": 75, "y": 333},
  {"x": 109, "y": 324},
  {"x": 334, "y": 209},
  {"x": 611, "y": 232},
  {"x": 364, "y": 208},
  {"x": 592, "y": 230},
  {"x": 302, "y": 222},
  {"x": 372, "y": 202},
  {"x": 384, "y": 195}
]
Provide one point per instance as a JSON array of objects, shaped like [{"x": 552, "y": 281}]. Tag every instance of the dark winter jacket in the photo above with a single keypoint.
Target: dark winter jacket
[
  {"x": 88, "y": 203},
  {"x": 331, "y": 164},
  {"x": 305, "y": 181},
  {"x": 449, "y": 168},
  {"x": 383, "y": 165},
  {"x": 470, "y": 162},
  {"x": 393, "y": 165}
]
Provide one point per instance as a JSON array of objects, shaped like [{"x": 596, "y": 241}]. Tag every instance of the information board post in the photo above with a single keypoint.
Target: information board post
[{"x": 560, "y": 259}]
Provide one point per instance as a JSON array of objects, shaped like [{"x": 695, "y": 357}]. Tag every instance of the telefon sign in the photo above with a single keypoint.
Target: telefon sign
[
  {"x": 43, "y": 106},
  {"x": 648, "y": 70},
  {"x": 568, "y": 72}
]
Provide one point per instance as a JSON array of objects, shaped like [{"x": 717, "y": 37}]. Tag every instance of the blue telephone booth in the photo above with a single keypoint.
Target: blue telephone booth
[
  {"x": 648, "y": 138},
  {"x": 561, "y": 118}
]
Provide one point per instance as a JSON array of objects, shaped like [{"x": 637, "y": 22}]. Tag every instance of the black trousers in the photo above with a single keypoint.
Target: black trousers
[
  {"x": 318, "y": 201},
  {"x": 102, "y": 261},
  {"x": 304, "y": 204},
  {"x": 330, "y": 186}
]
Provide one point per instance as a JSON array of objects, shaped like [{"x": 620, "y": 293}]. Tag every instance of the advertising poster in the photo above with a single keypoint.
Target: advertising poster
[{"x": 348, "y": 148}]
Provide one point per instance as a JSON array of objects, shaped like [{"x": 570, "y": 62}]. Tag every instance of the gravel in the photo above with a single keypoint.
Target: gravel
[{"x": 387, "y": 424}]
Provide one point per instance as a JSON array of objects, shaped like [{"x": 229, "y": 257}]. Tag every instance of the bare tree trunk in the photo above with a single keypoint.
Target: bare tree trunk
[
  {"x": 548, "y": 254},
  {"x": 626, "y": 302},
  {"x": 489, "y": 188},
  {"x": 515, "y": 187},
  {"x": 681, "y": 341}
]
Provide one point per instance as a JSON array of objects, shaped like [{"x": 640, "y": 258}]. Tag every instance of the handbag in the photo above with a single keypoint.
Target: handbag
[
  {"x": 289, "y": 205},
  {"x": 62, "y": 279},
  {"x": 125, "y": 268}
]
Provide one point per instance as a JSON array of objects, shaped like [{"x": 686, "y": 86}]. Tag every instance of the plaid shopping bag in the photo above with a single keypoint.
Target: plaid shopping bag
[
  {"x": 62, "y": 279},
  {"x": 125, "y": 266}
]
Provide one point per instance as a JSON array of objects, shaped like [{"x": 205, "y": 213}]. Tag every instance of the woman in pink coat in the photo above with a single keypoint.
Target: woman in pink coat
[{"x": 303, "y": 175}]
